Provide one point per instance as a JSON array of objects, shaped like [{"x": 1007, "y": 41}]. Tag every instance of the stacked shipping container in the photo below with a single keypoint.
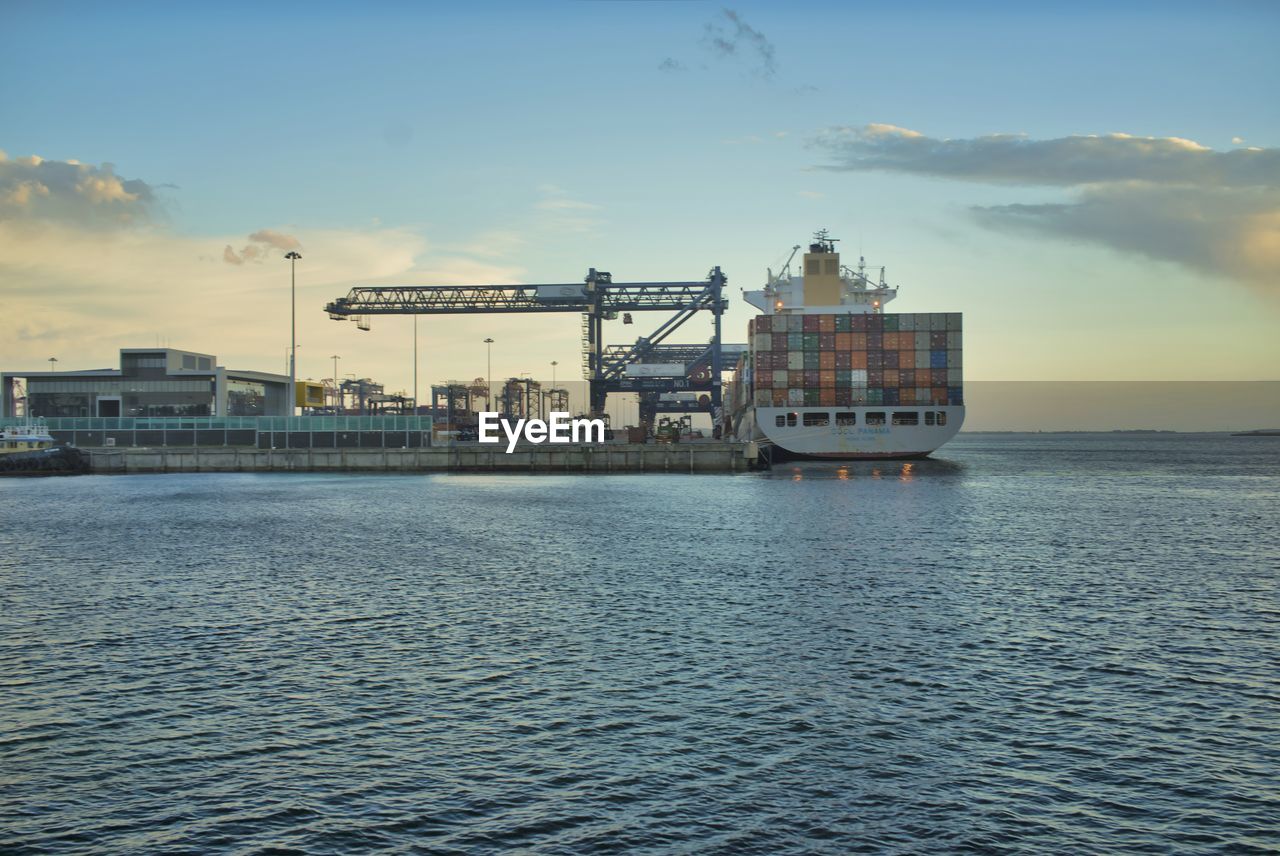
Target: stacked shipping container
[{"x": 845, "y": 360}]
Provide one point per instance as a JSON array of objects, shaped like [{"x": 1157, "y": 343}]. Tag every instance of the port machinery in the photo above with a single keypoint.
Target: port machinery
[{"x": 598, "y": 298}]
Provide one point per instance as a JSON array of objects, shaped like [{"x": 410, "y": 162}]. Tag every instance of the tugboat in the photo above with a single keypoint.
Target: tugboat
[{"x": 28, "y": 449}]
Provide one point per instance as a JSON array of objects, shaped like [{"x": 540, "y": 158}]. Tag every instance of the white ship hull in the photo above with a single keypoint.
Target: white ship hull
[{"x": 859, "y": 440}]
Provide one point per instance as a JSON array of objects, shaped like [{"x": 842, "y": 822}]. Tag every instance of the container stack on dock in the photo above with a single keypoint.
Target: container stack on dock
[{"x": 857, "y": 359}]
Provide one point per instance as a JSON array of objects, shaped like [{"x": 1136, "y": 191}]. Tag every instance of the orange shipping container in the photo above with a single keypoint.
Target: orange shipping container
[
  {"x": 844, "y": 341},
  {"x": 826, "y": 323},
  {"x": 779, "y": 397},
  {"x": 890, "y": 377},
  {"x": 891, "y": 341},
  {"x": 906, "y": 359},
  {"x": 827, "y": 397},
  {"x": 827, "y": 378},
  {"x": 858, "y": 342},
  {"x": 827, "y": 359},
  {"x": 859, "y": 359}
]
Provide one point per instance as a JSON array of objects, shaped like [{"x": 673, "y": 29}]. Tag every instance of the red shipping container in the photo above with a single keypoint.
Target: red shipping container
[
  {"x": 875, "y": 359},
  {"x": 937, "y": 341},
  {"x": 779, "y": 397},
  {"x": 826, "y": 323},
  {"x": 811, "y": 326},
  {"x": 795, "y": 378},
  {"x": 827, "y": 360},
  {"x": 827, "y": 397},
  {"x": 858, "y": 359},
  {"x": 844, "y": 396},
  {"x": 764, "y": 380},
  {"x": 858, "y": 323},
  {"x": 938, "y": 377},
  {"x": 764, "y": 324},
  {"x": 890, "y": 359},
  {"x": 844, "y": 360},
  {"x": 812, "y": 378},
  {"x": 906, "y": 359},
  {"x": 844, "y": 341},
  {"x": 857, "y": 341},
  {"x": 779, "y": 341},
  {"x": 826, "y": 341}
]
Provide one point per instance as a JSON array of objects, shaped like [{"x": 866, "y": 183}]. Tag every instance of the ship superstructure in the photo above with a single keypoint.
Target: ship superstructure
[{"x": 830, "y": 374}]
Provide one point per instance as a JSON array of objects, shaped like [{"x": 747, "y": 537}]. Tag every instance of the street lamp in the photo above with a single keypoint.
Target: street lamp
[
  {"x": 293, "y": 257},
  {"x": 53, "y": 364},
  {"x": 488, "y": 371},
  {"x": 337, "y": 395},
  {"x": 554, "y": 363},
  {"x": 415, "y": 364}
]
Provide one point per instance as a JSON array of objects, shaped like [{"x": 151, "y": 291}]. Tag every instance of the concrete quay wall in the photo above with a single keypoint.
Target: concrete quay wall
[{"x": 706, "y": 457}]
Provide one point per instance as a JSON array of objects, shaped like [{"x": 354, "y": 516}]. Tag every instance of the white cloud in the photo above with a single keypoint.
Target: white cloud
[
  {"x": 32, "y": 188},
  {"x": 1166, "y": 198}
]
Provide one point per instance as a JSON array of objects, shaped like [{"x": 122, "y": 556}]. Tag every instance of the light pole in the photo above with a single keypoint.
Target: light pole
[
  {"x": 415, "y": 365},
  {"x": 337, "y": 394},
  {"x": 554, "y": 363},
  {"x": 293, "y": 257},
  {"x": 488, "y": 371},
  {"x": 53, "y": 364}
]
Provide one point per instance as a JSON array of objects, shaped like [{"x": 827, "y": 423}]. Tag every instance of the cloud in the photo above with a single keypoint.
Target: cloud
[
  {"x": 32, "y": 188},
  {"x": 259, "y": 247},
  {"x": 730, "y": 37},
  {"x": 1066, "y": 161},
  {"x": 671, "y": 65},
  {"x": 1165, "y": 198}
]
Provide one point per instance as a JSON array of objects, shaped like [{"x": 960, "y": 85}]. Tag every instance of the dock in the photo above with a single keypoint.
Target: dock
[{"x": 693, "y": 457}]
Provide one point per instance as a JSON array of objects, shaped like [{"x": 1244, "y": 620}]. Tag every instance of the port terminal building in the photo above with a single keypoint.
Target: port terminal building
[{"x": 150, "y": 382}]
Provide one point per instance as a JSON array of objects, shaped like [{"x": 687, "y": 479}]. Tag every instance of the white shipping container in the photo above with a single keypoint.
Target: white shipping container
[
  {"x": 795, "y": 360},
  {"x": 953, "y": 340},
  {"x": 795, "y": 396},
  {"x": 859, "y": 377},
  {"x": 955, "y": 377},
  {"x": 764, "y": 398},
  {"x": 922, "y": 344},
  {"x": 655, "y": 370},
  {"x": 780, "y": 377},
  {"x": 954, "y": 359},
  {"x": 764, "y": 341}
]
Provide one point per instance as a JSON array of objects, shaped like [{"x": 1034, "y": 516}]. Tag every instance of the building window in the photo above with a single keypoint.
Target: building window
[
  {"x": 875, "y": 419},
  {"x": 906, "y": 417},
  {"x": 942, "y": 417},
  {"x": 811, "y": 266},
  {"x": 791, "y": 420},
  {"x": 929, "y": 417},
  {"x": 833, "y": 266},
  {"x": 817, "y": 420},
  {"x": 847, "y": 417},
  {"x": 780, "y": 420}
]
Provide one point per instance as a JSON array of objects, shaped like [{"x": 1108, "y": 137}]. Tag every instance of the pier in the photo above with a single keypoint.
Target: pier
[{"x": 694, "y": 457}]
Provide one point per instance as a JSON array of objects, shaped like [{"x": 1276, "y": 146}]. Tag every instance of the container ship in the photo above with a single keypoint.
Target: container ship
[{"x": 830, "y": 374}]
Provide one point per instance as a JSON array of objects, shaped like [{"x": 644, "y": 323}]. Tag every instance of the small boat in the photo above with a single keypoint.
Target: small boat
[
  {"x": 30, "y": 435},
  {"x": 28, "y": 449}
]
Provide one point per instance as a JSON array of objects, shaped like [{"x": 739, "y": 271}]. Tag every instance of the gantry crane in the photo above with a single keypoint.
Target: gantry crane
[{"x": 598, "y": 298}]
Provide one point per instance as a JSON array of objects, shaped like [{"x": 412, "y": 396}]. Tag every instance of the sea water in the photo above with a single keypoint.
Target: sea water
[{"x": 1032, "y": 643}]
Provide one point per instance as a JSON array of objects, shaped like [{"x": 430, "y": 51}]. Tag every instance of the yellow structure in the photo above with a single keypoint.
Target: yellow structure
[
  {"x": 822, "y": 286},
  {"x": 309, "y": 394}
]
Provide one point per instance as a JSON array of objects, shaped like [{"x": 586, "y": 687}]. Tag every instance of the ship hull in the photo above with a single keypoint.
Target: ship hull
[{"x": 860, "y": 437}]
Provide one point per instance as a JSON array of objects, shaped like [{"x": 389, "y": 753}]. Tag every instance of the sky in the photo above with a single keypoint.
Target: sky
[{"x": 1096, "y": 186}]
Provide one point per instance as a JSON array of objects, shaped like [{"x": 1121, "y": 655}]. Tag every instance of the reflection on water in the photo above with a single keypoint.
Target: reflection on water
[{"x": 926, "y": 468}]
